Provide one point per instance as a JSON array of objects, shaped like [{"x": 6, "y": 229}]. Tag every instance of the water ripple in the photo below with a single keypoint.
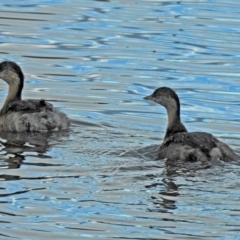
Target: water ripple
[{"x": 96, "y": 61}]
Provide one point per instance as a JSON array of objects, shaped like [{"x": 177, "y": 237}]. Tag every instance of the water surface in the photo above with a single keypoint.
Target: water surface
[{"x": 95, "y": 61}]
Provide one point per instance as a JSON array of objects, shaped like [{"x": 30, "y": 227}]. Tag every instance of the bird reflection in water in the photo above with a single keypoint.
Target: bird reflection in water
[{"x": 14, "y": 146}]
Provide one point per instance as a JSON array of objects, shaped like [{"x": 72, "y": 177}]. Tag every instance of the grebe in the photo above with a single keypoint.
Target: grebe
[
  {"x": 19, "y": 115},
  {"x": 178, "y": 143}
]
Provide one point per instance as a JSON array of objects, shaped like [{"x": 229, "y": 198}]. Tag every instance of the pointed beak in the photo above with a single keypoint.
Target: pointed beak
[{"x": 148, "y": 97}]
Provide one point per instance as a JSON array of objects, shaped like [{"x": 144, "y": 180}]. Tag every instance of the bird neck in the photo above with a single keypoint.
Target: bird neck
[
  {"x": 174, "y": 122},
  {"x": 14, "y": 94}
]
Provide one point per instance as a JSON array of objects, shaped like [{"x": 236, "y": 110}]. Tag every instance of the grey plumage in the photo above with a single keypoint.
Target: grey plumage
[
  {"x": 19, "y": 115},
  {"x": 178, "y": 143}
]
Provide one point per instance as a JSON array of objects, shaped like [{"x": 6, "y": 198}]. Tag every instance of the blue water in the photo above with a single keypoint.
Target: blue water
[{"x": 95, "y": 61}]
